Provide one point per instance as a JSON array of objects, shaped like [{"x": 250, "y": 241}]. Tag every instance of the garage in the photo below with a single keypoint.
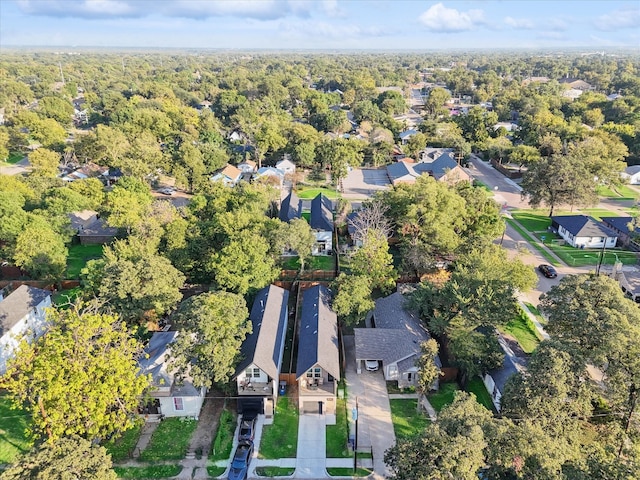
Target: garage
[
  {"x": 250, "y": 404},
  {"x": 312, "y": 407}
]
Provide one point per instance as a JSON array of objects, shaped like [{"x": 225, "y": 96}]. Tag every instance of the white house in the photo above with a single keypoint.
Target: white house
[
  {"x": 286, "y": 165},
  {"x": 248, "y": 166},
  {"x": 632, "y": 174},
  {"x": 581, "y": 231},
  {"x": 22, "y": 315},
  {"x": 270, "y": 174},
  {"x": 229, "y": 175},
  {"x": 321, "y": 222},
  {"x": 170, "y": 396},
  {"x": 258, "y": 373}
]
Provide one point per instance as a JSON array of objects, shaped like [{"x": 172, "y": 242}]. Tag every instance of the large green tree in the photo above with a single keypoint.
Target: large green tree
[
  {"x": 212, "y": 328},
  {"x": 353, "y": 298},
  {"x": 374, "y": 261},
  {"x": 81, "y": 378},
  {"x": 65, "y": 459},
  {"x": 41, "y": 252}
]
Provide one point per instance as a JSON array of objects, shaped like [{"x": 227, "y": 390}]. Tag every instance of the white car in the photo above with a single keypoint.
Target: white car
[
  {"x": 371, "y": 365},
  {"x": 167, "y": 191}
]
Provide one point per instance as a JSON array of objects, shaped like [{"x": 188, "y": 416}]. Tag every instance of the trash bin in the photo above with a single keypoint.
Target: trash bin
[{"x": 283, "y": 388}]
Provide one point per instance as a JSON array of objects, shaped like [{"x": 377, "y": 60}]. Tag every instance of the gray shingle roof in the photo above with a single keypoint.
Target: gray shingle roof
[
  {"x": 441, "y": 165},
  {"x": 263, "y": 347},
  {"x": 99, "y": 228},
  {"x": 582, "y": 226},
  {"x": 154, "y": 362},
  {"x": 318, "y": 334},
  {"x": 291, "y": 208},
  {"x": 399, "y": 170},
  {"x": 397, "y": 335},
  {"x": 18, "y": 304},
  {"x": 619, "y": 223},
  {"x": 321, "y": 214}
]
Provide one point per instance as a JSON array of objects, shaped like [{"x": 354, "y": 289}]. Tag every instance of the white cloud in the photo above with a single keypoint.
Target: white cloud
[
  {"x": 619, "y": 19},
  {"x": 439, "y": 18},
  {"x": 519, "y": 23},
  {"x": 83, "y": 9},
  {"x": 307, "y": 29}
]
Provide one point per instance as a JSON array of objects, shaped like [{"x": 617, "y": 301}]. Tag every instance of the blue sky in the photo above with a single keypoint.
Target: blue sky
[{"x": 321, "y": 24}]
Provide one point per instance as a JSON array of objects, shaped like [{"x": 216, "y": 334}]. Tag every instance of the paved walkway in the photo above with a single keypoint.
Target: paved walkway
[
  {"x": 312, "y": 447},
  {"x": 145, "y": 437}
]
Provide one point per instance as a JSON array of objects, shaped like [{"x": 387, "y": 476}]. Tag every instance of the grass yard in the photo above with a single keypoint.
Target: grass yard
[
  {"x": 223, "y": 443},
  {"x": 121, "y": 448},
  {"x": 338, "y": 434},
  {"x": 476, "y": 386},
  {"x": 598, "y": 213},
  {"x": 444, "y": 396},
  {"x": 280, "y": 440},
  {"x": 348, "y": 472},
  {"x": 524, "y": 331},
  {"x": 312, "y": 192},
  {"x": 533, "y": 222},
  {"x": 12, "y": 159},
  {"x": 619, "y": 193},
  {"x": 63, "y": 298},
  {"x": 13, "y": 432},
  {"x": 576, "y": 257},
  {"x": 170, "y": 441},
  {"x": 215, "y": 471},
  {"x": 320, "y": 262},
  {"x": 407, "y": 421},
  {"x": 154, "y": 471},
  {"x": 78, "y": 257},
  {"x": 274, "y": 471},
  {"x": 536, "y": 313}
]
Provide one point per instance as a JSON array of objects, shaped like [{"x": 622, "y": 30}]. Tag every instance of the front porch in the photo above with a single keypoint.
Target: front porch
[
  {"x": 256, "y": 388},
  {"x": 313, "y": 388}
]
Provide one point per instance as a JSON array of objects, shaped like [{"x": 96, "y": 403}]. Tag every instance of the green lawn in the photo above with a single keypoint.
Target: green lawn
[
  {"x": 171, "y": 439},
  {"x": 476, "y": 386},
  {"x": 407, "y": 421},
  {"x": 63, "y": 298},
  {"x": 312, "y": 192},
  {"x": 576, "y": 257},
  {"x": 533, "y": 222},
  {"x": 215, "y": 471},
  {"x": 280, "y": 440},
  {"x": 223, "y": 443},
  {"x": 13, "y": 432},
  {"x": 319, "y": 262},
  {"x": 444, "y": 396},
  {"x": 524, "y": 331},
  {"x": 12, "y": 159},
  {"x": 122, "y": 447},
  {"x": 78, "y": 257},
  {"x": 598, "y": 213},
  {"x": 348, "y": 472},
  {"x": 619, "y": 193},
  {"x": 154, "y": 471},
  {"x": 275, "y": 471},
  {"x": 338, "y": 434},
  {"x": 536, "y": 313}
]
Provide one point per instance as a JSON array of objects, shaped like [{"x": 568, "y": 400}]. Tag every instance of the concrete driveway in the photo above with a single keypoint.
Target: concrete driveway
[{"x": 375, "y": 428}]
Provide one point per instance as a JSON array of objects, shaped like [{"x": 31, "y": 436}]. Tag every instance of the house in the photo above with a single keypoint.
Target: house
[
  {"x": 394, "y": 340},
  {"x": 112, "y": 175},
  {"x": 620, "y": 225},
  {"x": 613, "y": 96},
  {"x": 97, "y": 232},
  {"x": 321, "y": 222},
  {"x": 629, "y": 281},
  {"x": 229, "y": 175},
  {"x": 290, "y": 208},
  {"x": 401, "y": 172},
  {"x": 248, "y": 166},
  {"x": 318, "y": 365},
  {"x": 171, "y": 396},
  {"x": 496, "y": 379},
  {"x": 581, "y": 231},
  {"x": 273, "y": 176},
  {"x": 286, "y": 165},
  {"x": 576, "y": 84},
  {"x": 443, "y": 168},
  {"x": 235, "y": 136},
  {"x": 82, "y": 219},
  {"x": 22, "y": 315},
  {"x": 572, "y": 93},
  {"x": 632, "y": 174},
  {"x": 406, "y": 135},
  {"x": 258, "y": 373}
]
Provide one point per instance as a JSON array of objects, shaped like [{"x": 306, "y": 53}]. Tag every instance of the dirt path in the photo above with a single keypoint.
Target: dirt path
[{"x": 207, "y": 426}]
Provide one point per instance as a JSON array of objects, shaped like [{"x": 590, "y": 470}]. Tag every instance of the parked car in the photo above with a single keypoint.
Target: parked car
[
  {"x": 167, "y": 191},
  {"x": 247, "y": 427},
  {"x": 240, "y": 463},
  {"x": 371, "y": 365},
  {"x": 548, "y": 271}
]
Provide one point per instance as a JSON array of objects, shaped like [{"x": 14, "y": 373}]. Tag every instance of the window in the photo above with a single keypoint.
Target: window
[
  {"x": 314, "y": 373},
  {"x": 177, "y": 404},
  {"x": 252, "y": 372}
]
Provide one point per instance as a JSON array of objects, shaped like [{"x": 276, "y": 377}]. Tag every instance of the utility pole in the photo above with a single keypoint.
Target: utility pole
[{"x": 602, "y": 255}]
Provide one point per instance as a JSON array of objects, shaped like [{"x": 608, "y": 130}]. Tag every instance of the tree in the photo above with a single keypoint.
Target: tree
[
  {"x": 374, "y": 261},
  {"x": 434, "y": 105},
  {"x": 134, "y": 280},
  {"x": 451, "y": 448},
  {"x": 65, "y": 459},
  {"x": 428, "y": 370},
  {"x": 45, "y": 162},
  {"x": 81, "y": 378},
  {"x": 524, "y": 155},
  {"x": 4, "y": 143},
  {"x": 559, "y": 180},
  {"x": 370, "y": 217},
  {"x": 212, "y": 328},
  {"x": 353, "y": 298},
  {"x": 41, "y": 252},
  {"x": 415, "y": 144},
  {"x": 128, "y": 204},
  {"x": 298, "y": 237}
]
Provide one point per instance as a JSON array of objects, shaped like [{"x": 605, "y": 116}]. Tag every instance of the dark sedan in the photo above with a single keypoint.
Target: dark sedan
[
  {"x": 548, "y": 271},
  {"x": 241, "y": 459}
]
